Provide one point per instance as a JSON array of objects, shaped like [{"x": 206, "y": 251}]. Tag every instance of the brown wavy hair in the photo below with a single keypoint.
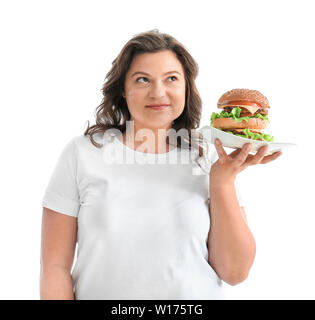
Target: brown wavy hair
[{"x": 113, "y": 111}]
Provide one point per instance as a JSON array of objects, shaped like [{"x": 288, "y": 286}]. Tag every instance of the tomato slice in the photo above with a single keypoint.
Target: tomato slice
[{"x": 241, "y": 103}]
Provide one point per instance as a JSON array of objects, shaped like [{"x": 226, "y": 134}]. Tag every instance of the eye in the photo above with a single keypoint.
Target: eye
[
  {"x": 141, "y": 78},
  {"x": 147, "y": 79}
]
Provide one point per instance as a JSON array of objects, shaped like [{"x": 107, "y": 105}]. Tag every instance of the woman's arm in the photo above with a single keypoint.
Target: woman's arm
[
  {"x": 231, "y": 244},
  {"x": 59, "y": 236}
]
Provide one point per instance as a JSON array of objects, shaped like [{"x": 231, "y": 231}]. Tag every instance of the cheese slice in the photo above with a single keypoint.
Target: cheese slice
[{"x": 251, "y": 109}]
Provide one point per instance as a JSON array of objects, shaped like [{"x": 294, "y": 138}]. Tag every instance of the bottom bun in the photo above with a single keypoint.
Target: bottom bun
[{"x": 229, "y": 123}]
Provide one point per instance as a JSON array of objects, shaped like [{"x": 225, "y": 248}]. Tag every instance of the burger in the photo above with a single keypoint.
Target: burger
[{"x": 245, "y": 114}]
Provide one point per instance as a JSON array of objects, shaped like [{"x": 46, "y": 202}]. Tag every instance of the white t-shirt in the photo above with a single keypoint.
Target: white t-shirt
[{"x": 142, "y": 227}]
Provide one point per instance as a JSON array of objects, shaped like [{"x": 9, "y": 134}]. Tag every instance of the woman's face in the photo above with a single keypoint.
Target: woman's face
[{"x": 159, "y": 79}]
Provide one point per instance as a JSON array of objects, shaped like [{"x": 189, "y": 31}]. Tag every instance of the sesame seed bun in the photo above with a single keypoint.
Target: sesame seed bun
[{"x": 243, "y": 95}]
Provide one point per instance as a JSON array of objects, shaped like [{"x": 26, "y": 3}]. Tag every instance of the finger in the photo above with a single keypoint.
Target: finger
[
  {"x": 271, "y": 157},
  {"x": 235, "y": 152},
  {"x": 243, "y": 154},
  {"x": 218, "y": 145},
  {"x": 248, "y": 159},
  {"x": 259, "y": 155}
]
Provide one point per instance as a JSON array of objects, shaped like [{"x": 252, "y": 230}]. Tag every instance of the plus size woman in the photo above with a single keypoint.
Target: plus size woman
[{"x": 133, "y": 194}]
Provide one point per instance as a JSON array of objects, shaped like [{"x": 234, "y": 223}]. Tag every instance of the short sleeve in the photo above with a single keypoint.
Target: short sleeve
[{"x": 61, "y": 193}]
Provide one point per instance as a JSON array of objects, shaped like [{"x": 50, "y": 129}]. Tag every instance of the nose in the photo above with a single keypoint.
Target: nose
[{"x": 157, "y": 90}]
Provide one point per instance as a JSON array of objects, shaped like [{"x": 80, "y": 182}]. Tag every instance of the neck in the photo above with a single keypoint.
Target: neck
[{"x": 150, "y": 140}]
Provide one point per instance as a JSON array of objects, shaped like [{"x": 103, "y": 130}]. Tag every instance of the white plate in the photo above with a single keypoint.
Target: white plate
[{"x": 232, "y": 141}]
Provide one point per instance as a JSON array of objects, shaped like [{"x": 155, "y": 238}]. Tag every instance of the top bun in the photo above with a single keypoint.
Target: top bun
[{"x": 243, "y": 95}]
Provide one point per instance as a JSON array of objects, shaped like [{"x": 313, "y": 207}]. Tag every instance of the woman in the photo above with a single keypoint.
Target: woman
[{"x": 143, "y": 229}]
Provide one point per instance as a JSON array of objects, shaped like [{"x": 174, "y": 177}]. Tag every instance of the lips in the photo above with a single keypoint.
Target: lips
[
  {"x": 157, "y": 105},
  {"x": 162, "y": 107}
]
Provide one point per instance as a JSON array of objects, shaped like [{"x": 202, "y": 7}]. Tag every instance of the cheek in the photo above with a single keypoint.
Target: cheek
[
  {"x": 179, "y": 99},
  {"x": 178, "y": 92},
  {"x": 130, "y": 94},
  {"x": 136, "y": 97},
  {"x": 133, "y": 99},
  {"x": 135, "y": 103}
]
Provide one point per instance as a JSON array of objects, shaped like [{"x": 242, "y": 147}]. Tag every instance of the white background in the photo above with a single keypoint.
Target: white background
[{"x": 54, "y": 58}]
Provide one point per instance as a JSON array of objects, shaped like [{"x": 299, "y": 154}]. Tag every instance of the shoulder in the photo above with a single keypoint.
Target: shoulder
[{"x": 85, "y": 142}]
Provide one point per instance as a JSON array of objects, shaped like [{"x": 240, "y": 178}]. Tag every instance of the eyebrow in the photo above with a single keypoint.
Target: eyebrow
[{"x": 141, "y": 72}]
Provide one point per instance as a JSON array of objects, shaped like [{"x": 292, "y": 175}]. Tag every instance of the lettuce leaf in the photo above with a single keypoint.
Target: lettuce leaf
[
  {"x": 253, "y": 135},
  {"x": 235, "y": 114}
]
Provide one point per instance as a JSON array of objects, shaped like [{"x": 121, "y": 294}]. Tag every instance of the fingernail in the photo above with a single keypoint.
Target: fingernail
[{"x": 217, "y": 142}]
